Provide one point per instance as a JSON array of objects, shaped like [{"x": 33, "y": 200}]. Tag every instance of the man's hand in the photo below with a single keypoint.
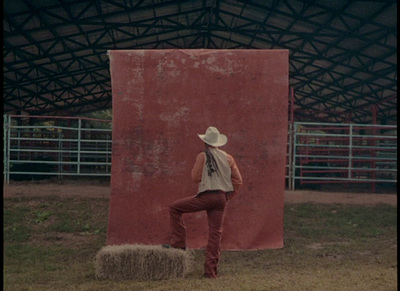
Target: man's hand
[{"x": 230, "y": 195}]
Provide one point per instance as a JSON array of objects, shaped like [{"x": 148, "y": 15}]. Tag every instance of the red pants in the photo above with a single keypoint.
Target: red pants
[{"x": 214, "y": 204}]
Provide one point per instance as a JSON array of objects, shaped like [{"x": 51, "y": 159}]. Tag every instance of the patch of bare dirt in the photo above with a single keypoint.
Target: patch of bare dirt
[
  {"x": 318, "y": 246},
  {"x": 72, "y": 189},
  {"x": 59, "y": 238},
  {"x": 101, "y": 189},
  {"x": 302, "y": 196}
]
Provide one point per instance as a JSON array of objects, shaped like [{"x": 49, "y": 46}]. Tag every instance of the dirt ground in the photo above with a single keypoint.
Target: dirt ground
[{"x": 101, "y": 189}]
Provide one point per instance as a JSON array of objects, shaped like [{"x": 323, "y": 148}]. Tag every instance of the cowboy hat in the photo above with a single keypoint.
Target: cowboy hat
[{"x": 213, "y": 137}]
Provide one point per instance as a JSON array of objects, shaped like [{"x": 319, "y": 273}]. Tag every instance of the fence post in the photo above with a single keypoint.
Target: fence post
[
  {"x": 294, "y": 130},
  {"x": 60, "y": 158},
  {"x": 350, "y": 152},
  {"x": 290, "y": 150},
  {"x": 5, "y": 149},
  {"x": 8, "y": 146},
  {"x": 78, "y": 165},
  {"x": 373, "y": 153},
  {"x": 107, "y": 135},
  {"x": 290, "y": 155}
]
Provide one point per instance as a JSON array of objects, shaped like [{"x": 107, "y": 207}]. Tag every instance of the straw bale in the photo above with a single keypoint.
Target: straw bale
[{"x": 141, "y": 262}]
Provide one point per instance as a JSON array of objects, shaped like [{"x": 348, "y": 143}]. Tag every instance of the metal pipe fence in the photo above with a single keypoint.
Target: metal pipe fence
[
  {"x": 40, "y": 147},
  {"x": 37, "y": 147},
  {"x": 343, "y": 153}
]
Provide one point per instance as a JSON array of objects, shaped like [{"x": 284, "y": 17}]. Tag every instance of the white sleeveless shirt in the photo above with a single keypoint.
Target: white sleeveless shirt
[{"x": 219, "y": 180}]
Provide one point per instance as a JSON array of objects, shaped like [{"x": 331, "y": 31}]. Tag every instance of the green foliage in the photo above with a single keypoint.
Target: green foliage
[
  {"x": 15, "y": 227},
  {"x": 41, "y": 216},
  {"x": 63, "y": 223},
  {"x": 15, "y": 215},
  {"x": 17, "y": 233},
  {"x": 102, "y": 115}
]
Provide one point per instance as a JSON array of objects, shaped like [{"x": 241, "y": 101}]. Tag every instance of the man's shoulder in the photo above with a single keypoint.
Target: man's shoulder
[
  {"x": 201, "y": 155},
  {"x": 229, "y": 157},
  {"x": 224, "y": 152}
]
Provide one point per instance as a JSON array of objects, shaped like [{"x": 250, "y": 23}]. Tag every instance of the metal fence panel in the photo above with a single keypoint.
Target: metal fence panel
[
  {"x": 343, "y": 153},
  {"x": 51, "y": 149},
  {"x": 317, "y": 152}
]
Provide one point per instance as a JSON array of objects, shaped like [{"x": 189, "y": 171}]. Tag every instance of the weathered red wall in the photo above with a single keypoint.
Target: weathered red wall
[{"x": 161, "y": 100}]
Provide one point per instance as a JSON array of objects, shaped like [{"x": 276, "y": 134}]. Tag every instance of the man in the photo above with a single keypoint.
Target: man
[{"x": 219, "y": 180}]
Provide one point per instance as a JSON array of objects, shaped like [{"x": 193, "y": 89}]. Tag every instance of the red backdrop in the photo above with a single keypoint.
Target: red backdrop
[{"x": 161, "y": 100}]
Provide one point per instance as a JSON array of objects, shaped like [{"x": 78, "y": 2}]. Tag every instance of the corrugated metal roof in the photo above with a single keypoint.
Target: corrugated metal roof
[{"x": 343, "y": 54}]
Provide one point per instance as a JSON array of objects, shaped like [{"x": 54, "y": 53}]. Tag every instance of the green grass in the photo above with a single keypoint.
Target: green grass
[
  {"x": 331, "y": 222},
  {"x": 15, "y": 228},
  {"x": 50, "y": 244}
]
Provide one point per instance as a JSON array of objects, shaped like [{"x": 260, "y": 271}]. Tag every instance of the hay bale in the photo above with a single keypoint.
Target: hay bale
[{"x": 141, "y": 262}]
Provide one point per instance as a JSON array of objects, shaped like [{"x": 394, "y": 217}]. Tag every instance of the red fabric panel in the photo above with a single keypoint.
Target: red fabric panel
[{"x": 161, "y": 100}]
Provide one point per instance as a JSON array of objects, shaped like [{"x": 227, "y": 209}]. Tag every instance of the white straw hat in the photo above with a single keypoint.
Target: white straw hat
[{"x": 213, "y": 137}]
